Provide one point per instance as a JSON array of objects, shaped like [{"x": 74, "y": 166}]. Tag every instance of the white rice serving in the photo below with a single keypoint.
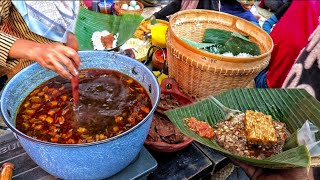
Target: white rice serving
[
  {"x": 96, "y": 40},
  {"x": 229, "y": 54}
]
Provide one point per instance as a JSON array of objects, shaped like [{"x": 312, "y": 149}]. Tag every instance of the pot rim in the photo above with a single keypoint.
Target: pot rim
[{"x": 20, "y": 134}]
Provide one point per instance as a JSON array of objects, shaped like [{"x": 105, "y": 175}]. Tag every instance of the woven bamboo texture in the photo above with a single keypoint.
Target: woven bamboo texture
[
  {"x": 200, "y": 73},
  {"x": 119, "y": 11}
]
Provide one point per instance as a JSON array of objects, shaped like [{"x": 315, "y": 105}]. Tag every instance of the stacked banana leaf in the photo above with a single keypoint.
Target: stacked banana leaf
[
  {"x": 219, "y": 41},
  {"x": 89, "y": 21},
  {"x": 291, "y": 106}
]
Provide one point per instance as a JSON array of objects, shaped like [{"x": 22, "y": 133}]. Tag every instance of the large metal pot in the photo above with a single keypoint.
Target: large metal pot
[{"x": 83, "y": 161}]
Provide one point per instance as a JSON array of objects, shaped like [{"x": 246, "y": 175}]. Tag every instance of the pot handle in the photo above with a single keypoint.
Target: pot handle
[
  {"x": 149, "y": 59},
  {"x": 170, "y": 85},
  {"x": 6, "y": 172},
  {"x": 1, "y": 127}
]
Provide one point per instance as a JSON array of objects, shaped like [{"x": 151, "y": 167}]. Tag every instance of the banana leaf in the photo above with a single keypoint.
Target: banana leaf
[
  {"x": 196, "y": 44},
  {"x": 217, "y": 36},
  {"x": 227, "y": 41},
  {"x": 210, "y": 47},
  {"x": 291, "y": 106},
  {"x": 89, "y": 21}
]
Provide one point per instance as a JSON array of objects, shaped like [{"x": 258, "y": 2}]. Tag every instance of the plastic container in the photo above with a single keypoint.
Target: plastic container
[
  {"x": 158, "y": 35},
  {"x": 105, "y": 7},
  {"x": 158, "y": 59}
]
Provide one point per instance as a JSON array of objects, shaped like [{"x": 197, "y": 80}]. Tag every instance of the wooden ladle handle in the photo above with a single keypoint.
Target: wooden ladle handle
[{"x": 6, "y": 172}]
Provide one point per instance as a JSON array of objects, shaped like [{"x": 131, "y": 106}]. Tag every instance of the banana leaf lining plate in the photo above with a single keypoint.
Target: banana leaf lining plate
[
  {"x": 291, "y": 106},
  {"x": 89, "y": 21}
]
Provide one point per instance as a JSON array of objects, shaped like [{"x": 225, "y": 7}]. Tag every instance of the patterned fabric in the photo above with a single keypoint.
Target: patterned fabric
[
  {"x": 50, "y": 19},
  {"x": 290, "y": 36},
  {"x": 305, "y": 73},
  {"x": 187, "y": 4},
  {"x": 13, "y": 27}
]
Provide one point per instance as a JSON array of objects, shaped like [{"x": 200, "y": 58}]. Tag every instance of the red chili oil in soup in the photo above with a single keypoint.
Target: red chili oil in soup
[{"x": 110, "y": 103}]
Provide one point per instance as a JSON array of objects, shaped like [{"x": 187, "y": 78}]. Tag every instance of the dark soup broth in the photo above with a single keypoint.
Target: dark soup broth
[{"x": 110, "y": 103}]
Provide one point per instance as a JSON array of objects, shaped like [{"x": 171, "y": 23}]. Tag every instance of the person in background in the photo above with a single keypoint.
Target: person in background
[
  {"x": 272, "y": 5},
  {"x": 268, "y": 24},
  {"x": 240, "y": 8},
  {"x": 290, "y": 36},
  {"x": 179, "y": 5},
  {"x": 38, "y": 31}
]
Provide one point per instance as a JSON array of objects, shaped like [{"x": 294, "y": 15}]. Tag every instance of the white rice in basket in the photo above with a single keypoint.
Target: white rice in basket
[{"x": 230, "y": 54}]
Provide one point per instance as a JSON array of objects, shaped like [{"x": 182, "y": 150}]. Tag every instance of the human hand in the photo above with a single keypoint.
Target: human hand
[
  {"x": 53, "y": 56},
  {"x": 152, "y": 17},
  {"x": 72, "y": 41},
  {"x": 57, "y": 55},
  {"x": 256, "y": 173}
]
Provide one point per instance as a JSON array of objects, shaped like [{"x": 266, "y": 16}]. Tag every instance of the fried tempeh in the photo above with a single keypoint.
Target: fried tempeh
[{"x": 259, "y": 129}]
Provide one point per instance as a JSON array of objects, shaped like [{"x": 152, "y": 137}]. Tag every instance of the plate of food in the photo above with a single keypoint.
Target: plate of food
[
  {"x": 97, "y": 31},
  {"x": 140, "y": 42},
  {"x": 163, "y": 136},
  {"x": 261, "y": 133}
]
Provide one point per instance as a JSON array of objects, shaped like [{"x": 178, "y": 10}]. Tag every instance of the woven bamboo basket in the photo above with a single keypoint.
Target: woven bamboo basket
[
  {"x": 200, "y": 73},
  {"x": 118, "y": 11}
]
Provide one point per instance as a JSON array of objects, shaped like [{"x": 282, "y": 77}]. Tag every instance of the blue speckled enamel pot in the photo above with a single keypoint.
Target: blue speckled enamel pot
[{"x": 85, "y": 161}]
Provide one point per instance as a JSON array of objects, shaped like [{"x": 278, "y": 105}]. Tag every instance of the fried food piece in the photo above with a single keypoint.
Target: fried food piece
[
  {"x": 200, "y": 127},
  {"x": 144, "y": 29},
  {"x": 149, "y": 26},
  {"x": 107, "y": 41},
  {"x": 259, "y": 129},
  {"x": 139, "y": 34},
  {"x": 145, "y": 24}
]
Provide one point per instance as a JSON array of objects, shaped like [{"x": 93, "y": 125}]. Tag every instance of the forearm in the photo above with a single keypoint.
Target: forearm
[
  {"x": 54, "y": 56},
  {"x": 282, "y": 10},
  {"x": 171, "y": 8},
  {"x": 23, "y": 49}
]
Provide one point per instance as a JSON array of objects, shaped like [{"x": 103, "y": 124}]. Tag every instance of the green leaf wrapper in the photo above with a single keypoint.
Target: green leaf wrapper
[
  {"x": 89, "y": 21},
  {"x": 227, "y": 41},
  {"x": 291, "y": 106}
]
